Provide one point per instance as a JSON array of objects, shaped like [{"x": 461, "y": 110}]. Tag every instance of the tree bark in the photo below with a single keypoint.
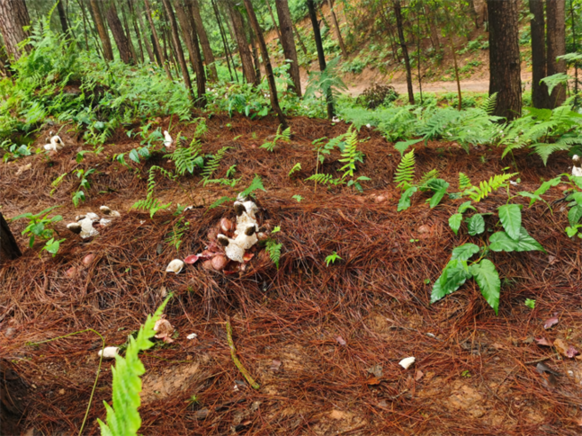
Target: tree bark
[
  {"x": 156, "y": 40},
  {"x": 8, "y": 246},
  {"x": 320, "y": 54},
  {"x": 188, "y": 31},
  {"x": 267, "y": 63},
  {"x": 224, "y": 41},
  {"x": 288, "y": 42},
  {"x": 127, "y": 32},
  {"x": 102, "y": 31},
  {"x": 118, "y": 34},
  {"x": 241, "y": 40},
  {"x": 178, "y": 46},
  {"x": 13, "y": 17},
  {"x": 505, "y": 69},
  {"x": 142, "y": 31},
  {"x": 206, "y": 49},
  {"x": 255, "y": 52},
  {"x": 299, "y": 38},
  {"x": 63, "y": 18},
  {"x": 400, "y": 26},
  {"x": 556, "y": 43},
  {"x": 539, "y": 90},
  {"x": 336, "y": 28},
  {"x": 273, "y": 20}
]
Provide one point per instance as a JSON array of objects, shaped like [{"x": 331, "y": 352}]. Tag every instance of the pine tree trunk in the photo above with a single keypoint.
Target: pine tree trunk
[
  {"x": 255, "y": 52},
  {"x": 242, "y": 43},
  {"x": 178, "y": 46},
  {"x": 288, "y": 42},
  {"x": 505, "y": 69},
  {"x": 101, "y": 30},
  {"x": 127, "y": 32},
  {"x": 135, "y": 21},
  {"x": 266, "y": 62},
  {"x": 142, "y": 32},
  {"x": 273, "y": 20},
  {"x": 556, "y": 43},
  {"x": 121, "y": 40},
  {"x": 13, "y": 17},
  {"x": 320, "y": 54},
  {"x": 301, "y": 43},
  {"x": 400, "y": 26},
  {"x": 224, "y": 41},
  {"x": 63, "y": 18},
  {"x": 206, "y": 49},
  {"x": 8, "y": 246},
  {"x": 156, "y": 40},
  {"x": 13, "y": 393},
  {"x": 336, "y": 29},
  {"x": 188, "y": 31},
  {"x": 539, "y": 90}
]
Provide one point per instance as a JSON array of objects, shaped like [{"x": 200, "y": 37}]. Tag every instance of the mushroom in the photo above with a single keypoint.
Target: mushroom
[
  {"x": 56, "y": 143},
  {"x": 84, "y": 227},
  {"x": 108, "y": 352},
  {"x": 110, "y": 213},
  {"x": 164, "y": 330},
  {"x": 175, "y": 266},
  {"x": 235, "y": 248},
  {"x": 576, "y": 169},
  {"x": 406, "y": 363},
  {"x": 74, "y": 227},
  {"x": 168, "y": 141}
]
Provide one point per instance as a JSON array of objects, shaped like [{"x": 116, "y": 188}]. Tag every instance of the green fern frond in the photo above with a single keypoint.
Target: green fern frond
[
  {"x": 545, "y": 150},
  {"x": 123, "y": 418},
  {"x": 213, "y": 163},
  {"x": 285, "y": 137},
  {"x": 274, "y": 251},
  {"x": 324, "y": 179},
  {"x": 350, "y": 154},
  {"x": 488, "y": 105},
  {"x": 296, "y": 167},
  {"x": 464, "y": 181},
  {"x": 478, "y": 193},
  {"x": 428, "y": 176},
  {"x": 405, "y": 172},
  {"x": 188, "y": 158}
]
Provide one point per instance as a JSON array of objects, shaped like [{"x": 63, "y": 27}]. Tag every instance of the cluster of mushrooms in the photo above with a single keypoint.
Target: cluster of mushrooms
[
  {"x": 229, "y": 244},
  {"x": 86, "y": 225},
  {"x": 55, "y": 144}
]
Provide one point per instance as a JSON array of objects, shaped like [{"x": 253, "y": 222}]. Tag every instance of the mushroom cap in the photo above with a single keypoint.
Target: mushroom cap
[
  {"x": 223, "y": 240},
  {"x": 74, "y": 227},
  {"x": 108, "y": 352},
  {"x": 92, "y": 216},
  {"x": 106, "y": 210},
  {"x": 175, "y": 266}
]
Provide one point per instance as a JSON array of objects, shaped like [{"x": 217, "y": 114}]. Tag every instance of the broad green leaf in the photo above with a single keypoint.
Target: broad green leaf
[
  {"x": 402, "y": 146},
  {"x": 405, "y": 201},
  {"x": 533, "y": 197},
  {"x": 437, "y": 184},
  {"x": 466, "y": 206},
  {"x": 574, "y": 215},
  {"x": 134, "y": 155},
  {"x": 510, "y": 216},
  {"x": 501, "y": 241},
  {"x": 577, "y": 180},
  {"x": 577, "y": 197},
  {"x": 547, "y": 185},
  {"x": 571, "y": 231},
  {"x": 453, "y": 277},
  {"x": 476, "y": 224},
  {"x": 464, "y": 252},
  {"x": 487, "y": 278},
  {"x": 455, "y": 222},
  {"x": 437, "y": 197}
]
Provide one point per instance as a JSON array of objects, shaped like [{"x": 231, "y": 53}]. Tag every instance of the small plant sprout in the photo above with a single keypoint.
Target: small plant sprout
[
  {"x": 39, "y": 226},
  {"x": 298, "y": 198},
  {"x": 285, "y": 136},
  {"x": 332, "y": 258},
  {"x": 530, "y": 303},
  {"x": 296, "y": 167}
]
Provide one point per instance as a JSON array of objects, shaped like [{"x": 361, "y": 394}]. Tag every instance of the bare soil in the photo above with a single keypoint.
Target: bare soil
[{"x": 323, "y": 342}]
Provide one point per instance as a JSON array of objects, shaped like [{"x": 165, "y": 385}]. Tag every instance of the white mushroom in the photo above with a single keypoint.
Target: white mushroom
[
  {"x": 168, "y": 141},
  {"x": 108, "y": 352},
  {"x": 235, "y": 248},
  {"x": 576, "y": 169},
  {"x": 86, "y": 224},
  {"x": 110, "y": 213},
  {"x": 92, "y": 216},
  {"x": 175, "y": 266},
  {"x": 406, "y": 363},
  {"x": 74, "y": 227},
  {"x": 56, "y": 143}
]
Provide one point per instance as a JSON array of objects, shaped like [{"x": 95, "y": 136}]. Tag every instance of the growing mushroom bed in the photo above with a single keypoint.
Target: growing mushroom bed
[{"x": 350, "y": 347}]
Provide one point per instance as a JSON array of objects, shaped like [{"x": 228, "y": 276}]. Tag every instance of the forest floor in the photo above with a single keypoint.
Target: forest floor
[{"x": 323, "y": 342}]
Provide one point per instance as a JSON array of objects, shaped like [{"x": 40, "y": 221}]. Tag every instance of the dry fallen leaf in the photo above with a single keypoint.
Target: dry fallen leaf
[
  {"x": 164, "y": 330},
  {"x": 551, "y": 322},
  {"x": 373, "y": 381},
  {"x": 543, "y": 341},
  {"x": 561, "y": 346},
  {"x": 376, "y": 370},
  {"x": 276, "y": 365},
  {"x": 571, "y": 352},
  {"x": 419, "y": 375}
]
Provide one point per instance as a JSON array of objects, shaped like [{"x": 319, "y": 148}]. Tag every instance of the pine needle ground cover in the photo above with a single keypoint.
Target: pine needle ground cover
[{"x": 323, "y": 340}]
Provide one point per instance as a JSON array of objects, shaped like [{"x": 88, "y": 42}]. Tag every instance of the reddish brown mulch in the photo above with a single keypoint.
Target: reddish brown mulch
[{"x": 307, "y": 332}]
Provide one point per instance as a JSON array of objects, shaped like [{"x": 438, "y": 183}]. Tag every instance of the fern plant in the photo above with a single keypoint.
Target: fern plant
[
  {"x": 485, "y": 188},
  {"x": 274, "y": 250},
  {"x": 152, "y": 204},
  {"x": 188, "y": 158},
  {"x": 123, "y": 418},
  {"x": 284, "y": 136},
  {"x": 404, "y": 174},
  {"x": 213, "y": 163}
]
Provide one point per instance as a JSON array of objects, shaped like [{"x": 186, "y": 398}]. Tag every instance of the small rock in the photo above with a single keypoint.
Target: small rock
[{"x": 406, "y": 363}]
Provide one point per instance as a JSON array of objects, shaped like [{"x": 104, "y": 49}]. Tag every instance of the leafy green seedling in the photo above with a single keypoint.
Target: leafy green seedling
[
  {"x": 298, "y": 198},
  {"x": 332, "y": 258},
  {"x": 530, "y": 303}
]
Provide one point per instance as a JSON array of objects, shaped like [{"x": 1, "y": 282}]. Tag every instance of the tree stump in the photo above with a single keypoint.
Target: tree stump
[
  {"x": 8, "y": 246},
  {"x": 12, "y": 398}
]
